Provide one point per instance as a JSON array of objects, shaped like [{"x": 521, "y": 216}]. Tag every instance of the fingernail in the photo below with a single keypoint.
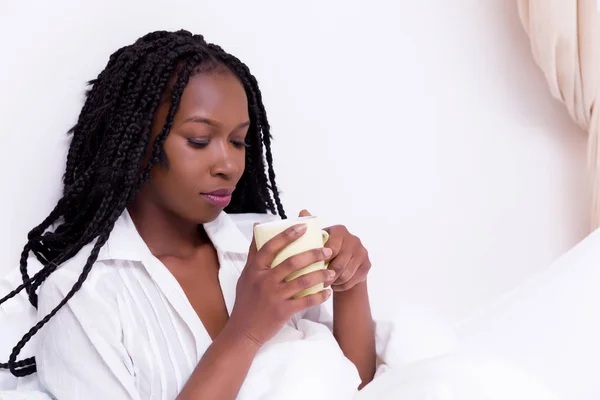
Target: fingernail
[
  {"x": 331, "y": 273},
  {"x": 327, "y": 252},
  {"x": 298, "y": 229}
]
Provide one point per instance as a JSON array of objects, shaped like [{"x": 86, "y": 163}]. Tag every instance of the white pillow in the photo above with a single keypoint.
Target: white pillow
[
  {"x": 459, "y": 376},
  {"x": 550, "y": 325}
]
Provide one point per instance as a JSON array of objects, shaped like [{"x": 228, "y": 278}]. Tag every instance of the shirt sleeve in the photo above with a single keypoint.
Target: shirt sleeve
[{"x": 80, "y": 353}]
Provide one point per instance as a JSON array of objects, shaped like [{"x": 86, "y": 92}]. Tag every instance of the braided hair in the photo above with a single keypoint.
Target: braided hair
[{"x": 108, "y": 145}]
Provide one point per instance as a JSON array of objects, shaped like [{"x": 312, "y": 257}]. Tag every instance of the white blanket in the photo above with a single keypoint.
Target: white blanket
[
  {"x": 550, "y": 325},
  {"x": 317, "y": 356},
  {"x": 542, "y": 335},
  {"x": 429, "y": 376},
  {"x": 458, "y": 376},
  {"x": 452, "y": 377}
]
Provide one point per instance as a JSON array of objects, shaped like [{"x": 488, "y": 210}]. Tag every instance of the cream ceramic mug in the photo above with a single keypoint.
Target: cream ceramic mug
[{"x": 314, "y": 237}]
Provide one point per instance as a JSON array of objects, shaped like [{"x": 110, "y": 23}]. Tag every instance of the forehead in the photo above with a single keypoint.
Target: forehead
[{"x": 217, "y": 95}]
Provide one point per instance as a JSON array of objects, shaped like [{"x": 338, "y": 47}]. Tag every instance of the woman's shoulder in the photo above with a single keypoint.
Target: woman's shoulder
[{"x": 62, "y": 279}]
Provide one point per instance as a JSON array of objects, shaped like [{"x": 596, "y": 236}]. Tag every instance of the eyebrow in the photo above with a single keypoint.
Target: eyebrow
[{"x": 208, "y": 121}]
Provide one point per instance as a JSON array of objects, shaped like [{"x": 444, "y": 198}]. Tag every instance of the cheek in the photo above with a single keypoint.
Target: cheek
[
  {"x": 184, "y": 167},
  {"x": 241, "y": 162}
]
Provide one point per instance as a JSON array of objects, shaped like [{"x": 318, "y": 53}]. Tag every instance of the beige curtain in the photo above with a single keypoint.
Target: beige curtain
[{"x": 565, "y": 41}]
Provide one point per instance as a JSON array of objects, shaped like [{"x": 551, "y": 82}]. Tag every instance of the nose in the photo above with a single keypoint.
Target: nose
[{"x": 223, "y": 161}]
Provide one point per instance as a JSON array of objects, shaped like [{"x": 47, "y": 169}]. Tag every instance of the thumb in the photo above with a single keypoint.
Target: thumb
[{"x": 304, "y": 213}]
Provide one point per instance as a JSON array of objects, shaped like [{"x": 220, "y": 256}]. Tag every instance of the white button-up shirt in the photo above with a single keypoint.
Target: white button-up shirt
[{"x": 131, "y": 333}]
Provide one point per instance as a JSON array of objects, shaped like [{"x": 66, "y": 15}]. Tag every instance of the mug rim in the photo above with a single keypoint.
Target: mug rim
[{"x": 288, "y": 221}]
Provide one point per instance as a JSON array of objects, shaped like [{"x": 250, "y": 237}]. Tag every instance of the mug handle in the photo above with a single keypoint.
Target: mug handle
[{"x": 325, "y": 235}]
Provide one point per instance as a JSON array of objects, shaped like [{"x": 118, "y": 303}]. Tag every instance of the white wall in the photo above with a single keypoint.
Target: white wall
[{"x": 423, "y": 125}]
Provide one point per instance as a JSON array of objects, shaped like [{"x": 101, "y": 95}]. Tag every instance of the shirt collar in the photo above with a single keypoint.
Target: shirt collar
[{"x": 125, "y": 243}]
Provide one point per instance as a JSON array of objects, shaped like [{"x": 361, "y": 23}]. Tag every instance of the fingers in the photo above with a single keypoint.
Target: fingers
[
  {"x": 355, "y": 273},
  {"x": 336, "y": 239},
  {"x": 347, "y": 270},
  {"x": 309, "y": 301},
  {"x": 268, "y": 252},
  {"x": 296, "y": 285},
  {"x": 356, "y": 279},
  {"x": 304, "y": 213},
  {"x": 299, "y": 261},
  {"x": 339, "y": 265}
]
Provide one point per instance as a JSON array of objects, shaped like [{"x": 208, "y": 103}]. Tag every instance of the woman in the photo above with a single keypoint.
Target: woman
[{"x": 145, "y": 287}]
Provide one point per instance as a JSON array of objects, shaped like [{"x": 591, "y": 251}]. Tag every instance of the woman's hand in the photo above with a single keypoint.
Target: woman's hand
[
  {"x": 264, "y": 300},
  {"x": 350, "y": 259},
  {"x": 353, "y": 326}
]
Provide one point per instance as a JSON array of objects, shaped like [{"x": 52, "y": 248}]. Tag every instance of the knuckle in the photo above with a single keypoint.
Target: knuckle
[
  {"x": 334, "y": 229},
  {"x": 308, "y": 301},
  {"x": 317, "y": 254},
  {"x": 294, "y": 263},
  {"x": 303, "y": 281},
  {"x": 318, "y": 277},
  {"x": 345, "y": 276},
  {"x": 320, "y": 297},
  {"x": 289, "y": 233},
  {"x": 364, "y": 276},
  {"x": 269, "y": 248}
]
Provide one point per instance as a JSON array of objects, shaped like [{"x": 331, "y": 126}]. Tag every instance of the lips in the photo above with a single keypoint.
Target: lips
[
  {"x": 220, "y": 192},
  {"x": 219, "y": 198}
]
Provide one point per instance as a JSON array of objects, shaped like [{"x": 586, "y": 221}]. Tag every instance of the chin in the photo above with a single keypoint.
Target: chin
[{"x": 207, "y": 216}]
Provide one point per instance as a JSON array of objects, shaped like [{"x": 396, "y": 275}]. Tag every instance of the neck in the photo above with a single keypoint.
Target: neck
[{"x": 165, "y": 233}]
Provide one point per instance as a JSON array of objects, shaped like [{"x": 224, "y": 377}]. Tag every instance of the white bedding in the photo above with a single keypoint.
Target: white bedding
[
  {"x": 451, "y": 377},
  {"x": 538, "y": 342},
  {"x": 396, "y": 344},
  {"x": 459, "y": 376},
  {"x": 550, "y": 325}
]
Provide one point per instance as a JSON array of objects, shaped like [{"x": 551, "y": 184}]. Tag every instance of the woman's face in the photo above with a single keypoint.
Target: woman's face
[{"x": 205, "y": 148}]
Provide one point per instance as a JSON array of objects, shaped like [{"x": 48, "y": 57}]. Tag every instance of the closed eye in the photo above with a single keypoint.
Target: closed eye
[
  {"x": 198, "y": 143},
  {"x": 240, "y": 144}
]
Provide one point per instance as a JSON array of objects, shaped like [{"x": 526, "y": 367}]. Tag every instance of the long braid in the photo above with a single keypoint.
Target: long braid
[
  {"x": 265, "y": 129},
  {"x": 108, "y": 145},
  {"x": 251, "y": 85},
  {"x": 176, "y": 98},
  {"x": 31, "y": 368}
]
